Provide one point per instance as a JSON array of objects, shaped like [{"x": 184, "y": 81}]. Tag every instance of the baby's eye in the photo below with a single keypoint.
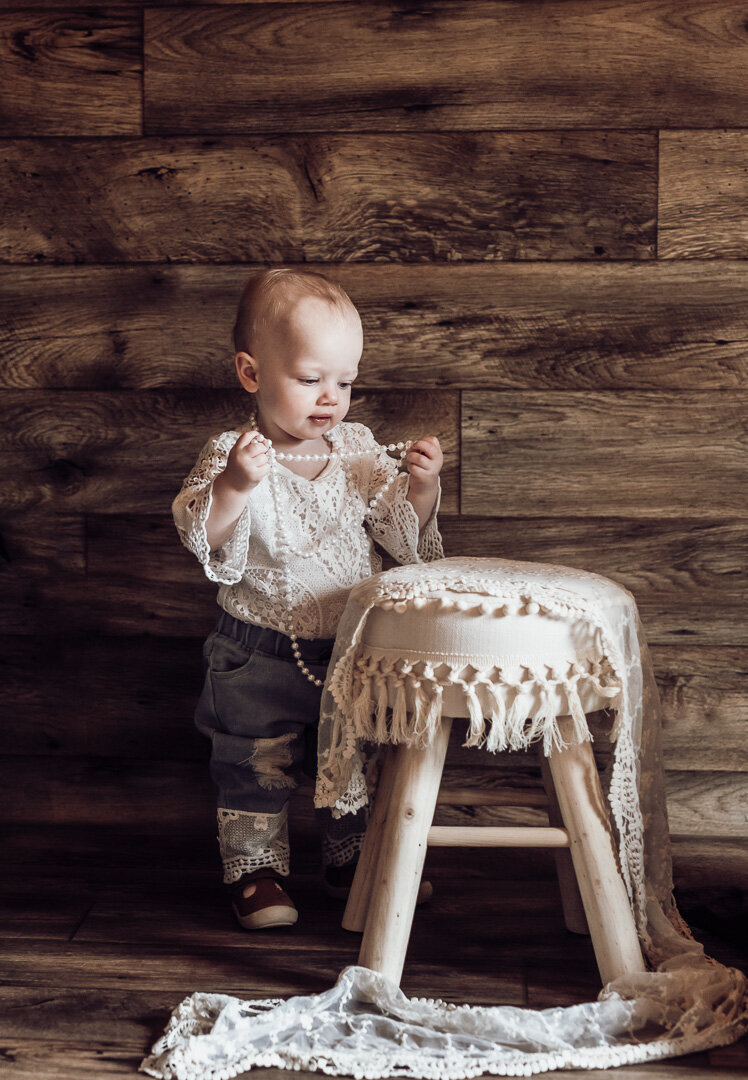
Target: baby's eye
[
  {"x": 308, "y": 382},
  {"x": 345, "y": 384}
]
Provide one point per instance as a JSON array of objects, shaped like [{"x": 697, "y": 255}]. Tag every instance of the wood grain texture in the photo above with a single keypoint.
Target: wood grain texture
[
  {"x": 70, "y": 72},
  {"x": 541, "y": 326},
  {"x": 96, "y": 454},
  {"x": 703, "y": 195},
  {"x": 93, "y": 1004},
  {"x": 336, "y": 197},
  {"x": 130, "y": 697},
  {"x": 173, "y": 796},
  {"x": 41, "y": 546},
  {"x": 58, "y": 851},
  {"x": 634, "y": 454},
  {"x": 445, "y": 65},
  {"x": 687, "y": 576}
]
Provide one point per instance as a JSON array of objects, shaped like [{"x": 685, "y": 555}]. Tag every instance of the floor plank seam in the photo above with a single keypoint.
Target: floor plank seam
[{"x": 81, "y": 921}]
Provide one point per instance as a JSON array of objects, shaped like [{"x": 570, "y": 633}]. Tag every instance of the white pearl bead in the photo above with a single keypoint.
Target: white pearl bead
[
  {"x": 401, "y": 446},
  {"x": 532, "y": 608},
  {"x": 281, "y": 457},
  {"x": 401, "y": 606}
]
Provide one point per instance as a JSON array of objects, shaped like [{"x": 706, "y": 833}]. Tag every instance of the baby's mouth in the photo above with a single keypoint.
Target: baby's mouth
[{"x": 321, "y": 419}]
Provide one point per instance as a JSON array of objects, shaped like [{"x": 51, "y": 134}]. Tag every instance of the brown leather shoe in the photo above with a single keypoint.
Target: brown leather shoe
[{"x": 267, "y": 906}]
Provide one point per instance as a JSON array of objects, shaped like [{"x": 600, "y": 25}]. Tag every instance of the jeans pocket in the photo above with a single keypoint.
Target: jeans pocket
[
  {"x": 229, "y": 686},
  {"x": 229, "y": 659}
]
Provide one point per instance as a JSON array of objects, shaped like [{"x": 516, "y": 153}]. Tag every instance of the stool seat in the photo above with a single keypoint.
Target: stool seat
[
  {"x": 523, "y": 667},
  {"x": 535, "y": 649}
]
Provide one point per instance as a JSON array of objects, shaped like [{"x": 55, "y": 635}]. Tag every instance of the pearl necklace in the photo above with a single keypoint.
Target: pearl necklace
[{"x": 284, "y": 544}]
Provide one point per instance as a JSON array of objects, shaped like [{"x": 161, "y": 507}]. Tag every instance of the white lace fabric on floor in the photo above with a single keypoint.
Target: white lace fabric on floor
[{"x": 365, "y": 1026}]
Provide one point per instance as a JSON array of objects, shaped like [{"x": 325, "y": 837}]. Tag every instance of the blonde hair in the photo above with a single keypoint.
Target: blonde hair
[{"x": 267, "y": 295}]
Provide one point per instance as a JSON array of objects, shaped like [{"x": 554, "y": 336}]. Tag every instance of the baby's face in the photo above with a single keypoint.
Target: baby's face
[{"x": 305, "y": 366}]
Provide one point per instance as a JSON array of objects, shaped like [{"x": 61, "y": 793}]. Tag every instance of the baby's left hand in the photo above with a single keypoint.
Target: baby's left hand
[{"x": 424, "y": 460}]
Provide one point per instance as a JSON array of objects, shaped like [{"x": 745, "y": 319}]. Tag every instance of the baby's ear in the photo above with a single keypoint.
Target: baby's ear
[{"x": 246, "y": 371}]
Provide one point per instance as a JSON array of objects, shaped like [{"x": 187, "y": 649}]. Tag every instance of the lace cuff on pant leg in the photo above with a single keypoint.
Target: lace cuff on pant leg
[{"x": 249, "y": 841}]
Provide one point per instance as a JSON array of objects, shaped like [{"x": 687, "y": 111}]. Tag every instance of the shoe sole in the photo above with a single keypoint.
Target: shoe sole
[{"x": 265, "y": 918}]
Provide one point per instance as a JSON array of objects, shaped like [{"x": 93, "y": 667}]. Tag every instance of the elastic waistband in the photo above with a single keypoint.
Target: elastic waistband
[{"x": 266, "y": 640}]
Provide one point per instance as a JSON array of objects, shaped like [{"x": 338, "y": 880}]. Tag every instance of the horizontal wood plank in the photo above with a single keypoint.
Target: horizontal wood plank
[
  {"x": 42, "y": 546},
  {"x": 70, "y": 72},
  {"x": 173, "y": 795},
  {"x": 532, "y": 69},
  {"x": 335, "y": 197},
  {"x": 247, "y": 968},
  {"x": 133, "y": 697},
  {"x": 631, "y": 453},
  {"x": 73, "y": 852},
  {"x": 97, "y": 452},
  {"x": 686, "y": 576},
  {"x": 703, "y": 194},
  {"x": 95, "y": 1004},
  {"x": 546, "y": 326}
]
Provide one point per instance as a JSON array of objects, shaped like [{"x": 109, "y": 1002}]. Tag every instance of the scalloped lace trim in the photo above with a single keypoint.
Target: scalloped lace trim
[{"x": 365, "y": 1027}]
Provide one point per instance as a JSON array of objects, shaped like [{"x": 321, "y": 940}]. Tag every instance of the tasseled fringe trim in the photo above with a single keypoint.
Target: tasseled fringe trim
[{"x": 496, "y": 728}]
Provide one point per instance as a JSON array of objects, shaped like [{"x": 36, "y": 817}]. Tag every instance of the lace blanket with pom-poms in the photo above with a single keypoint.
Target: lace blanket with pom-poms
[{"x": 364, "y": 1026}]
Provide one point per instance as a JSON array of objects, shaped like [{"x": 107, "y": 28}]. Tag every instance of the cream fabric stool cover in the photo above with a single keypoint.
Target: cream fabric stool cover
[
  {"x": 364, "y": 1025},
  {"x": 496, "y": 661}
]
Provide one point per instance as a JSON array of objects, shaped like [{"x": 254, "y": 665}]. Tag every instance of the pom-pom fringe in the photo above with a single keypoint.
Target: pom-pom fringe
[{"x": 493, "y": 728}]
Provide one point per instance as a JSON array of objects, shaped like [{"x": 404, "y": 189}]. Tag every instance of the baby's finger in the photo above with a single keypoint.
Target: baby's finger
[
  {"x": 246, "y": 439},
  {"x": 418, "y": 448}
]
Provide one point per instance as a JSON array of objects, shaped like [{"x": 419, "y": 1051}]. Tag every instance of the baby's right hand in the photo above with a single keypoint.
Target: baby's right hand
[{"x": 247, "y": 462}]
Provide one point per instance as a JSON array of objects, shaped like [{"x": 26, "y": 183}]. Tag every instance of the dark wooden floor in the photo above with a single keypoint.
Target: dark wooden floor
[{"x": 106, "y": 931}]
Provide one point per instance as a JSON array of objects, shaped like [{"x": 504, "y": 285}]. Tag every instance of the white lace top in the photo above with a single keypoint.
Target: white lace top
[{"x": 325, "y": 514}]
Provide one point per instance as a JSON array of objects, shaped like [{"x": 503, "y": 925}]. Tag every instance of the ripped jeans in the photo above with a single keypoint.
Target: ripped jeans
[{"x": 261, "y": 714}]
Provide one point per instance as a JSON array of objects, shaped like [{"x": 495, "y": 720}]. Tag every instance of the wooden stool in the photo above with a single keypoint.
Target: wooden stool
[{"x": 383, "y": 897}]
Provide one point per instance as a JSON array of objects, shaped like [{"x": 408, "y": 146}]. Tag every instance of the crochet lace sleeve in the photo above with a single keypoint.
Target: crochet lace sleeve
[
  {"x": 192, "y": 507},
  {"x": 393, "y": 523}
]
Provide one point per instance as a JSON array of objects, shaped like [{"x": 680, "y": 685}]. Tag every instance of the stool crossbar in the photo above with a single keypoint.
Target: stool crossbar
[{"x": 383, "y": 897}]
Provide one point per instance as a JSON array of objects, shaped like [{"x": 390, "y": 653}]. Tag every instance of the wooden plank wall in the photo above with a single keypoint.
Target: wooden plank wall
[{"x": 541, "y": 212}]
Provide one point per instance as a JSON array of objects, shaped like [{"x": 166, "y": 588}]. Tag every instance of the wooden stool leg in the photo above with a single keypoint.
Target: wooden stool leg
[
  {"x": 354, "y": 916},
  {"x": 571, "y": 900},
  {"x": 403, "y": 851},
  {"x": 604, "y": 895}
]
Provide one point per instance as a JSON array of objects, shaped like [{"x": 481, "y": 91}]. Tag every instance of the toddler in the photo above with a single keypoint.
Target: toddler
[{"x": 286, "y": 540}]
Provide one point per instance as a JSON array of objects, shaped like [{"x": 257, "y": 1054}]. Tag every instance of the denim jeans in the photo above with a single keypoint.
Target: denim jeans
[{"x": 261, "y": 714}]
